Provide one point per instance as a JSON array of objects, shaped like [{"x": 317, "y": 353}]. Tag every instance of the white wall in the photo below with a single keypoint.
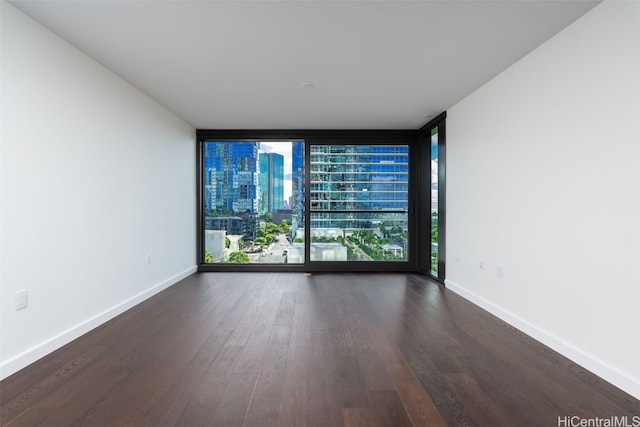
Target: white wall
[
  {"x": 543, "y": 169},
  {"x": 95, "y": 176}
]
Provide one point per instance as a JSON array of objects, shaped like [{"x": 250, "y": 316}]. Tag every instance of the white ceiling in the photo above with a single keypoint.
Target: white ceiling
[{"x": 240, "y": 64}]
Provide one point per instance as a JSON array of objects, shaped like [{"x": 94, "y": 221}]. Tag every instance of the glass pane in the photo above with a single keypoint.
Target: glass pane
[
  {"x": 253, "y": 201},
  {"x": 359, "y": 202},
  {"x": 434, "y": 200},
  {"x": 359, "y": 236}
]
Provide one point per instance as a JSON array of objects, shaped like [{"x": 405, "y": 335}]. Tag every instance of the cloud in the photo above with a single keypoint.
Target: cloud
[{"x": 266, "y": 148}]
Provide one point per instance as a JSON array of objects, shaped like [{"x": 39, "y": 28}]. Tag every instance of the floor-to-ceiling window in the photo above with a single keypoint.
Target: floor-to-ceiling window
[
  {"x": 359, "y": 202},
  {"x": 252, "y": 201},
  {"x": 314, "y": 201},
  {"x": 432, "y": 137},
  {"x": 434, "y": 200}
]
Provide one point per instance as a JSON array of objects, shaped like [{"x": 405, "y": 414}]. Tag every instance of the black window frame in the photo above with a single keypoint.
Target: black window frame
[
  {"x": 411, "y": 138},
  {"x": 424, "y": 263}
]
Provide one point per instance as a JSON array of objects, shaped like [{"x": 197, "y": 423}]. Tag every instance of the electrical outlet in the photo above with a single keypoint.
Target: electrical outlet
[
  {"x": 21, "y": 300},
  {"x": 147, "y": 259},
  {"x": 481, "y": 264}
]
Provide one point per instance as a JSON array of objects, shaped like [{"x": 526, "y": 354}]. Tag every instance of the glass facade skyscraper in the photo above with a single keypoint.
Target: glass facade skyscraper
[
  {"x": 230, "y": 175},
  {"x": 297, "y": 182},
  {"x": 357, "y": 186},
  {"x": 271, "y": 183}
]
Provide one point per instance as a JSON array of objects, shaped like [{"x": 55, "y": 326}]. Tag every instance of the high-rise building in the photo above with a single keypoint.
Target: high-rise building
[
  {"x": 297, "y": 182},
  {"x": 271, "y": 183},
  {"x": 357, "y": 186},
  {"x": 231, "y": 181}
]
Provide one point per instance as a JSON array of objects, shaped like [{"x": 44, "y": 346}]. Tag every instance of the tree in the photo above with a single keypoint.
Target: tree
[
  {"x": 242, "y": 244},
  {"x": 366, "y": 236},
  {"x": 208, "y": 258},
  {"x": 261, "y": 241},
  {"x": 272, "y": 228},
  {"x": 238, "y": 257},
  {"x": 285, "y": 226},
  {"x": 227, "y": 242}
]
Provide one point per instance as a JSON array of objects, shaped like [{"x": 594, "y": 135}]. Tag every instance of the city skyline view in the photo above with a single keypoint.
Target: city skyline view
[{"x": 358, "y": 202}]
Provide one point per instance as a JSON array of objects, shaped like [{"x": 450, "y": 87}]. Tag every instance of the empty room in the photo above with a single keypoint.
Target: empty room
[{"x": 319, "y": 213}]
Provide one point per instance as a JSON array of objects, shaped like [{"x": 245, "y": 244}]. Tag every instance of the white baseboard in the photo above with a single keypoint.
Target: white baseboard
[
  {"x": 602, "y": 369},
  {"x": 37, "y": 352}
]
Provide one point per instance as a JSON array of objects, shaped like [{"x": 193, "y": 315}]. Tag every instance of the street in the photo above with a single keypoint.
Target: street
[{"x": 272, "y": 254}]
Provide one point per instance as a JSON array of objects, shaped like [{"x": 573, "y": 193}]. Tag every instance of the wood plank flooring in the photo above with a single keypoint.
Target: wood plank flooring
[{"x": 285, "y": 349}]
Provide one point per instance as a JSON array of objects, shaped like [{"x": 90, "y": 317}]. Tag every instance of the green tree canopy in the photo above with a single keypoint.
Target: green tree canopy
[
  {"x": 238, "y": 257},
  {"x": 272, "y": 228}
]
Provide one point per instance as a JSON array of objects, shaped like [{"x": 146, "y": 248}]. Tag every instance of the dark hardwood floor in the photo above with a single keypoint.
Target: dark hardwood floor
[{"x": 285, "y": 349}]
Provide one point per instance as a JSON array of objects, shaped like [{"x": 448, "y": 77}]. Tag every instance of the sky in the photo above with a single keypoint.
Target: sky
[{"x": 283, "y": 148}]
